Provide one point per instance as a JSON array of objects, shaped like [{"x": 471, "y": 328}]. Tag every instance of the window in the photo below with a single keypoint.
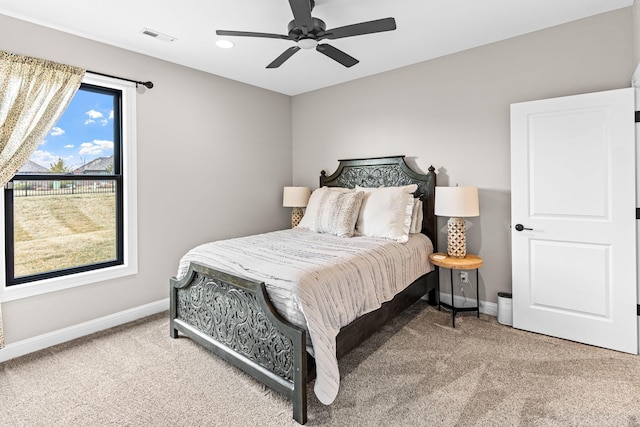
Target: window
[{"x": 69, "y": 213}]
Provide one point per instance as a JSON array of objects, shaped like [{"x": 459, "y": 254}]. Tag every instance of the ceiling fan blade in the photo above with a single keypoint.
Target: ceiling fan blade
[
  {"x": 302, "y": 13},
  {"x": 337, "y": 55},
  {"x": 283, "y": 57},
  {"x": 250, "y": 34},
  {"x": 377, "y": 26}
]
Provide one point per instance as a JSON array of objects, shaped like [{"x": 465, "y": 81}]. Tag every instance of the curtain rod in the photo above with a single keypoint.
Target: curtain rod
[{"x": 148, "y": 85}]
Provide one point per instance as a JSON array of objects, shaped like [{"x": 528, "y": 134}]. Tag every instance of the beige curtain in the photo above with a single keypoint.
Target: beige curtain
[{"x": 33, "y": 95}]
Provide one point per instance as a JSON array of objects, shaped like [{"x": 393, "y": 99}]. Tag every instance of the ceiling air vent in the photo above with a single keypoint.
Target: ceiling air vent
[{"x": 158, "y": 35}]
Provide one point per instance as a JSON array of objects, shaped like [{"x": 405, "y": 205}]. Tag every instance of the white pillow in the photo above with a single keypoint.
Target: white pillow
[
  {"x": 416, "y": 217},
  {"x": 332, "y": 211},
  {"x": 386, "y": 212}
]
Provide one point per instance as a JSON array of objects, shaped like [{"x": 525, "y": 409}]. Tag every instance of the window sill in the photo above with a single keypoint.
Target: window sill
[{"x": 27, "y": 290}]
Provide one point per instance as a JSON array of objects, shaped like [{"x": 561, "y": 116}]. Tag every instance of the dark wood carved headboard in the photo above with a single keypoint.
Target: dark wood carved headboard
[{"x": 389, "y": 172}]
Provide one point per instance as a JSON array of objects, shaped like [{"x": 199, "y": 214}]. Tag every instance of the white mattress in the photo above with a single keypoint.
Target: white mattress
[{"x": 320, "y": 282}]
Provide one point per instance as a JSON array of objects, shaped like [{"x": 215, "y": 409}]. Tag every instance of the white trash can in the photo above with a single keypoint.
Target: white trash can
[{"x": 505, "y": 309}]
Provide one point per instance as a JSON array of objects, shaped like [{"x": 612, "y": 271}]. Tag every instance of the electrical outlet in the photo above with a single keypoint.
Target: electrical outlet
[{"x": 464, "y": 277}]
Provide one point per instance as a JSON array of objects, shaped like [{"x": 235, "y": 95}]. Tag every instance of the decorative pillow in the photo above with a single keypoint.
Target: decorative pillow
[
  {"x": 332, "y": 211},
  {"x": 386, "y": 212},
  {"x": 313, "y": 208},
  {"x": 416, "y": 217}
]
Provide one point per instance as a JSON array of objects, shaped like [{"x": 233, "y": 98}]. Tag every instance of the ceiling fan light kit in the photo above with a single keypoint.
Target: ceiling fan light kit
[
  {"x": 307, "y": 31},
  {"x": 307, "y": 43}
]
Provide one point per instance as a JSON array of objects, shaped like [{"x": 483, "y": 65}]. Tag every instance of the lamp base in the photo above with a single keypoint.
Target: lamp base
[
  {"x": 296, "y": 216},
  {"x": 456, "y": 238}
]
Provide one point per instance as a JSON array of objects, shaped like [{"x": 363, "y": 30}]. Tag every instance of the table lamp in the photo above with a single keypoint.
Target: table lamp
[
  {"x": 296, "y": 198},
  {"x": 456, "y": 203}
]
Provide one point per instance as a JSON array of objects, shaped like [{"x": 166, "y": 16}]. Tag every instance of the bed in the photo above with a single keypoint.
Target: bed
[{"x": 226, "y": 305}]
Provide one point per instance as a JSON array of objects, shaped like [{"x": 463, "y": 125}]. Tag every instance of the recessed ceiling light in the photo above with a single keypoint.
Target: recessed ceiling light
[{"x": 224, "y": 44}]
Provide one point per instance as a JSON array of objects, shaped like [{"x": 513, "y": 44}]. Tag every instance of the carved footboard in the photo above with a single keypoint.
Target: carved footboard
[{"x": 234, "y": 318}]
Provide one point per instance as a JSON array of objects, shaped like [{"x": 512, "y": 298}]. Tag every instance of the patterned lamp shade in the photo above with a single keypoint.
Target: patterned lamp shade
[
  {"x": 296, "y": 198},
  {"x": 456, "y": 203}
]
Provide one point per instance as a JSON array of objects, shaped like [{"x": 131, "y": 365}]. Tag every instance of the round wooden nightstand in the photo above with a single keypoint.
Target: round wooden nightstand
[{"x": 470, "y": 262}]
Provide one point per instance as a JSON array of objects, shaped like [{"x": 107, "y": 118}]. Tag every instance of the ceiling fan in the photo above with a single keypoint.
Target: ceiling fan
[{"x": 307, "y": 31}]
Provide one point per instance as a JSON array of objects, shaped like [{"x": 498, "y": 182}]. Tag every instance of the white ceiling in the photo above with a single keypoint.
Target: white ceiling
[{"x": 426, "y": 29}]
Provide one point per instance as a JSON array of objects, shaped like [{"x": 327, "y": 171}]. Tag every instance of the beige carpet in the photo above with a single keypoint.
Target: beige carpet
[{"x": 417, "y": 371}]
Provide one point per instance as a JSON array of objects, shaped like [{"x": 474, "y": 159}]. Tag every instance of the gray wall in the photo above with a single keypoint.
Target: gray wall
[
  {"x": 636, "y": 33},
  {"x": 194, "y": 144},
  {"x": 453, "y": 113}
]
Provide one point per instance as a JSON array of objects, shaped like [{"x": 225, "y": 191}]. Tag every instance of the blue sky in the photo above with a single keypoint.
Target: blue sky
[{"x": 83, "y": 133}]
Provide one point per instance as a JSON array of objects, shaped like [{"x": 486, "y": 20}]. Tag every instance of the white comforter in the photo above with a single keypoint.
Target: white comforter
[{"x": 320, "y": 282}]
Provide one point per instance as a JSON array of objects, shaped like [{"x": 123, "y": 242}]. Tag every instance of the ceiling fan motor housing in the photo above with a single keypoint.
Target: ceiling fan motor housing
[{"x": 297, "y": 33}]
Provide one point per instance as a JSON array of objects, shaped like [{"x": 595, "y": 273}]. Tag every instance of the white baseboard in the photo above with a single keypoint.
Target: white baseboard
[
  {"x": 490, "y": 308},
  {"x": 20, "y": 348},
  {"x": 30, "y": 345}
]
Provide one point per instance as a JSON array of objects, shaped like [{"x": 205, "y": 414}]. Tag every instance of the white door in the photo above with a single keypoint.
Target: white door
[{"x": 573, "y": 191}]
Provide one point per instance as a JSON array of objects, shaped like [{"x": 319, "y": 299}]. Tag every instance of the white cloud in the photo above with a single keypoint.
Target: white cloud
[
  {"x": 96, "y": 147},
  {"x": 104, "y": 122},
  {"x": 42, "y": 157},
  {"x": 69, "y": 146},
  {"x": 111, "y": 115},
  {"x": 56, "y": 131},
  {"x": 94, "y": 114},
  {"x": 45, "y": 158}
]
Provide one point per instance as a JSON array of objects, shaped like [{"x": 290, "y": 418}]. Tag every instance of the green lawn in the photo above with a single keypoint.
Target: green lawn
[{"x": 56, "y": 232}]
